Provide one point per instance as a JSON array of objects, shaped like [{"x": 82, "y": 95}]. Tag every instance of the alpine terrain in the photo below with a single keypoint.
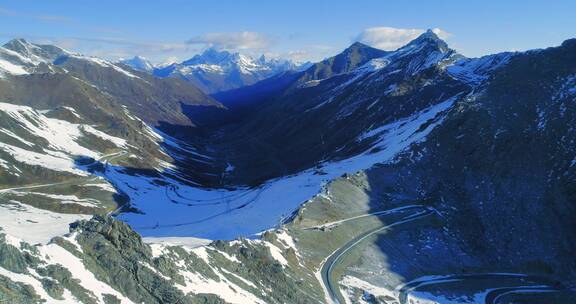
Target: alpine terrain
[
  {"x": 416, "y": 175},
  {"x": 219, "y": 70}
]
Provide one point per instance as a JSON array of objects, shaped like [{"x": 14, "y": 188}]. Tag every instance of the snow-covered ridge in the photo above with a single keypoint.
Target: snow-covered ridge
[
  {"x": 20, "y": 57},
  {"x": 224, "y": 62},
  {"x": 62, "y": 139},
  {"x": 215, "y": 70},
  {"x": 138, "y": 63},
  {"x": 200, "y": 268},
  {"x": 104, "y": 63}
]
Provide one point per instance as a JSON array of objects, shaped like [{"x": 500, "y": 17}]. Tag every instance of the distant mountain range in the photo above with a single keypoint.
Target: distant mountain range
[{"x": 215, "y": 71}]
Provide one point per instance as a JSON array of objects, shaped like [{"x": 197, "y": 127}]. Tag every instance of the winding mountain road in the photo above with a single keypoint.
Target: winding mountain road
[
  {"x": 332, "y": 260},
  {"x": 495, "y": 285}
]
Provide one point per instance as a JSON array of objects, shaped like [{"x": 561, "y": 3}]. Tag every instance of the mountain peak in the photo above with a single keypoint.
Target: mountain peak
[
  {"x": 209, "y": 56},
  {"x": 429, "y": 38},
  {"x": 138, "y": 63},
  {"x": 430, "y": 34},
  {"x": 19, "y": 45},
  {"x": 33, "y": 51},
  {"x": 358, "y": 45}
]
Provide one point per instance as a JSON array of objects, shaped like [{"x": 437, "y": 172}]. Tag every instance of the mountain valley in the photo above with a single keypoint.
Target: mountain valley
[{"x": 416, "y": 175}]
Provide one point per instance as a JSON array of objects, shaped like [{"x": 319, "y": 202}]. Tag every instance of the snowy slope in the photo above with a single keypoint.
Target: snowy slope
[
  {"x": 215, "y": 70},
  {"x": 177, "y": 209},
  {"x": 138, "y": 63}
]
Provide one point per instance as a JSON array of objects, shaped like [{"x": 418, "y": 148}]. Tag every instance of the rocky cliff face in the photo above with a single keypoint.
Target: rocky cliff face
[{"x": 104, "y": 261}]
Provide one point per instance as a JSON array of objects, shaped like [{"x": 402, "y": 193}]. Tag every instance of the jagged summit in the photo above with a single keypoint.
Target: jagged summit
[
  {"x": 217, "y": 70},
  {"x": 32, "y": 51},
  {"x": 18, "y": 43},
  {"x": 357, "y": 45},
  {"x": 430, "y": 40},
  {"x": 430, "y": 34},
  {"x": 138, "y": 63},
  {"x": 209, "y": 56}
]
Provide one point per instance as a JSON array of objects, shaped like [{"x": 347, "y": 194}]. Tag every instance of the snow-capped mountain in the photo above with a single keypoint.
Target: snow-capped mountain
[
  {"x": 215, "y": 71},
  {"x": 138, "y": 63},
  {"x": 409, "y": 176},
  {"x": 19, "y": 57}
]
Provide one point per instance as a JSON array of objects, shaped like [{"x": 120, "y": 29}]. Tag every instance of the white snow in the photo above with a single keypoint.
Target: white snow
[
  {"x": 119, "y": 142},
  {"x": 158, "y": 250},
  {"x": 58, "y": 255},
  {"x": 225, "y": 289},
  {"x": 476, "y": 70},
  {"x": 103, "y": 186},
  {"x": 31, "y": 280},
  {"x": 10, "y": 240},
  {"x": 11, "y": 68},
  {"x": 62, "y": 199},
  {"x": 14, "y": 136},
  {"x": 56, "y": 163},
  {"x": 239, "y": 278},
  {"x": 276, "y": 254},
  {"x": 227, "y": 256},
  {"x": 189, "y": 242},
  {"x": 34, "y": 225},
  {"x": 184, "y": 210},
  {"x": 62, "y": 138},
  {"x": 104, "y": 63},
  {"x": 72, "y": 239},
  {"x": 202, "y": 253},
  {"x": 351, "y": 281},
  {"x": 285, "y": 238}
]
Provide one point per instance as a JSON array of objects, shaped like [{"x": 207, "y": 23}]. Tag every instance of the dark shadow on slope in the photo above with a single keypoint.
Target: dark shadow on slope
[
  {"x": 503, "y": 187},
  {"x": 122, "y": 199},
  {"x": 287, "y": 133}
]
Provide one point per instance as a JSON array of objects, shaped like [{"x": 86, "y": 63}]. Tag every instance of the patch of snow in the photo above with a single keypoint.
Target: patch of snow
[
  {"x": 351, "y": 281},
  {"x": 62, "y": 199},
  {"x": 158, "y": 250},
  {"x": 73, "y": 111},
  {"x": 20, "y": 139},
  {"x": 34, "y": 225},
  {"x": 228, "y": 257},
  {"x": 10, "y": 68},
  {"x": 189, "y": 242},
  {"x": 106, "y": 186},
  {"x": 154, "y": 270},
  {"x": 286, "y": 239},
  {"x": 104, "y": 63},
  {"x": 240, "y": 278},
  {"x": 58, "y": 255},
  {"x": 119, "y": 142},
  {"x": 10, "y": 240},
  {"x": 36, "y": 284},
  {"x": 56, "y": 163},
  {"x": 179, "y": 209},
  {"x": 476, "y": 70},
  {"x": 224, "y": 289},
  {"x": 276, "y": 254},
  {"x": 202, "y": 253},
  {"x": 62, "y": 138}
]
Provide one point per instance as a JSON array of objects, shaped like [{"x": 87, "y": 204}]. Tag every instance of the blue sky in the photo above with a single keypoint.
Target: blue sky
[{"x": 304, "y": 30}]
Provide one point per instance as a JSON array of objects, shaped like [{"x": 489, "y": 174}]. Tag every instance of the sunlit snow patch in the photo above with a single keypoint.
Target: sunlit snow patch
[{"x": 181, "y": 210}]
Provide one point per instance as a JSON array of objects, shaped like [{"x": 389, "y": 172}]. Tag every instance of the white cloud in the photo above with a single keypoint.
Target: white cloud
[
  {"x": 233, "y": 40},
  {"x": 390, "y": 38}
]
